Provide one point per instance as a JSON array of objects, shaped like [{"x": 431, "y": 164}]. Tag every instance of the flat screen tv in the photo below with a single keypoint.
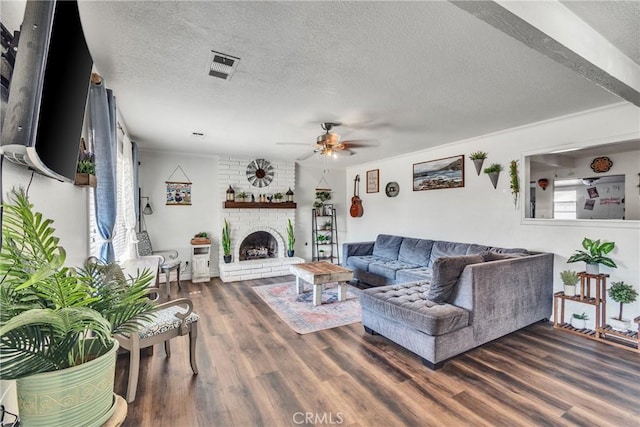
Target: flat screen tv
[{"x": 48, "y": 90}]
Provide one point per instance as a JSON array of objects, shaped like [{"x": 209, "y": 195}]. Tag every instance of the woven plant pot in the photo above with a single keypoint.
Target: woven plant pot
[{"x": 78, "y": 396}]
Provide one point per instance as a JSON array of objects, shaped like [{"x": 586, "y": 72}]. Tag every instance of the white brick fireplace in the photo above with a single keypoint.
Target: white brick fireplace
[{"x": 244, "y": 221}]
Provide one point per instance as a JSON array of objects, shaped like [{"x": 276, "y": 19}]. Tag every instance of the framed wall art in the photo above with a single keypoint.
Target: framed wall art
[
  {"x": 440, "y": 173},
  {"x": 373, "y": 181}
]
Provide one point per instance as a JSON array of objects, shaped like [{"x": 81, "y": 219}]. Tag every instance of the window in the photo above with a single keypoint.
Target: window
[{"x": 564, "y": 203}]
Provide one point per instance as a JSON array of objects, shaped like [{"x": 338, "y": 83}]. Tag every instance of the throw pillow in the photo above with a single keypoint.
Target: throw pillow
[{"x": 446, "y": 271}]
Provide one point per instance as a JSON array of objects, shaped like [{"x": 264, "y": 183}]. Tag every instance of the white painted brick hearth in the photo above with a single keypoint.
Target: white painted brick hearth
[{"x": 242, "y": 222}]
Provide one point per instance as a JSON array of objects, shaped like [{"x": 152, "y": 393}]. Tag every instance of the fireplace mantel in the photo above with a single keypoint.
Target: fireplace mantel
[{"x": 259, "y": 205}]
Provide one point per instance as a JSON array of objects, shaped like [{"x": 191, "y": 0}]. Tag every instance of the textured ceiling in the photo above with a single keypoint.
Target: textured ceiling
[{"x": 405, "y": 75}]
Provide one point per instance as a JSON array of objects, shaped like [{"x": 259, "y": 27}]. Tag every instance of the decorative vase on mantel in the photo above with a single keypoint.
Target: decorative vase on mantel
[{"x": 478, "y": 164}]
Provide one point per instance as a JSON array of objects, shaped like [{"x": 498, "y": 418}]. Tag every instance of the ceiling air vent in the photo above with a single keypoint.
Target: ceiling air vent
[{"x": 222, "y": 65}]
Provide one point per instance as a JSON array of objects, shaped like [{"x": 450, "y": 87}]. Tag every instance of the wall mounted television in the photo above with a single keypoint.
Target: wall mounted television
[{"x": 48, "y": 90}]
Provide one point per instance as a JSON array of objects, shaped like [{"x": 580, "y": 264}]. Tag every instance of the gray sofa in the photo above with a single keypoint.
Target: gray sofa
[{"x": 439, "y": 299}]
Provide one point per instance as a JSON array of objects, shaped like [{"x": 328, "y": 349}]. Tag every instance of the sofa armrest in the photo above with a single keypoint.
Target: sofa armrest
[{"x": 355, "y": 249}]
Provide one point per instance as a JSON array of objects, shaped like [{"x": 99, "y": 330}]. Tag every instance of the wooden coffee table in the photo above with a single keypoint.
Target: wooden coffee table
[{"x": 319, "y": 274}]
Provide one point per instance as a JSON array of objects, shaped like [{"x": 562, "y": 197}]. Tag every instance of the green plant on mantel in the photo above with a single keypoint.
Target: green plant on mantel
[{"x": 478, "y": 155}]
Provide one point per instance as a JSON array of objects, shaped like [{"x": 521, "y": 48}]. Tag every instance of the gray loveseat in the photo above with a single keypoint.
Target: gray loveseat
[{"x": 439, "y": 299}]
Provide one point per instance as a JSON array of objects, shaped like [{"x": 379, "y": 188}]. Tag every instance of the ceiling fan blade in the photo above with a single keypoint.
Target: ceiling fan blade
[
  {"x": 306, "y": 156},
  {"x": 359, "y": 143},
  {"x": 344, "y": 152}
]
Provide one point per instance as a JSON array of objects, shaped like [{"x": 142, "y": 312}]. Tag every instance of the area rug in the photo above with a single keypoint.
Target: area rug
[{"x": 302, "y": 316}]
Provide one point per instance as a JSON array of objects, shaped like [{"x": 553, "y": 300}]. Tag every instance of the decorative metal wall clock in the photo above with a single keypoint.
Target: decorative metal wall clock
[
  {"x": 601, "y": 164},
  {"x": 260, "y": 173}
]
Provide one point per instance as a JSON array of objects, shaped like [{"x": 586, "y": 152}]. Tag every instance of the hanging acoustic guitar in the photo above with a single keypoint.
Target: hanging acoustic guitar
[{"x": 356, "y": 204}]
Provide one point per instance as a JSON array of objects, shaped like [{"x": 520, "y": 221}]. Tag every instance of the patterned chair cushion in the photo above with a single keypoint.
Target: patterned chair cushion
[
  {"x": 144, "y": 244},
  {"x": 164, "y": 321}
]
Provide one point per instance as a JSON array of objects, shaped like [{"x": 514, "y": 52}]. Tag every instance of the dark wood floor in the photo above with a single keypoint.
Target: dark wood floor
[{"x": 256, "y": 371}]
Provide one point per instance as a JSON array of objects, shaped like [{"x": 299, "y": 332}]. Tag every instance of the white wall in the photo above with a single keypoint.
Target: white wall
[
  {"x": 478, "y": 213},
  {"x": 173, "y": 226}
]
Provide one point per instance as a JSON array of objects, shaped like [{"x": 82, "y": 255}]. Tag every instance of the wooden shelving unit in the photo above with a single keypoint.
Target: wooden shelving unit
[
  {"x": 259, "y": 205},
  {"x": 602, "y": 332}
]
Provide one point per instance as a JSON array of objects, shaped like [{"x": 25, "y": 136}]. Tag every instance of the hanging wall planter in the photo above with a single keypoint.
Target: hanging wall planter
[
  {"x": 494, "y": 172},
  {"x": 513, "y": 181},
  {"x": 478, "y": 158}
]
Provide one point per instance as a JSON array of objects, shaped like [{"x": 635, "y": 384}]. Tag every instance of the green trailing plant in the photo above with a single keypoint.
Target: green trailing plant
[
  {"x": 569, "y": 277},
  {"x": 291, "y": 238},
  {"x": 478, "y": 155},
  {"x": 582, "y": 316},
  {"x": 54, "y": 317},
  {"x": 317, "y": 204},
  {"x": 202, "y": 234},
  {"x": 594, "y": 253},
  {"x": 493, "y": 168},
  {"x": 321, "y": 238},
  {"x": 514, "y": 184},
  {"x": 226, "y": 239},
  {"x": 622, "y": 293}
]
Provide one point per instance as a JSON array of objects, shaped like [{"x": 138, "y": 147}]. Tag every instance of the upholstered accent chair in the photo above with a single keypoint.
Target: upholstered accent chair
[
  {"x": 169, "y": 258},
  {"x": 170, "y": 320}
]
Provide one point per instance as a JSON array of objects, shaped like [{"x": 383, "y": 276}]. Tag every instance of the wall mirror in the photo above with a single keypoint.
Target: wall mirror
[{"x": 593, "y": 183}]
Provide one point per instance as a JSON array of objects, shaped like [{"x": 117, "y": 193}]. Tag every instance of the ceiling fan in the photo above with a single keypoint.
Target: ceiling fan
[{"x": 329, "y": 143}]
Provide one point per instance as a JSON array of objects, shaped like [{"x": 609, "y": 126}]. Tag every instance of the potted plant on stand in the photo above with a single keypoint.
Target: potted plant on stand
[
  {"x": 624, "y": 294},
  {"x": 579, "y": 321},
  {"x": 226, "y": 242},
  {"x": 291, "y": 238},
  {"x": 569, "y": 280},
  {"x": 594, "y": 254},
  {"x": 56, "y": 323}
]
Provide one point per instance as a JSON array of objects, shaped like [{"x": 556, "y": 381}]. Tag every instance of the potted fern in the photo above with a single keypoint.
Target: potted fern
[
  {"x": 56, "y": 322},
  {"x": 291, "y": 238},
  {"x": 594, "y": 254},
  {"x": 494, "y": 172},
  {"x": 624, "y": 294},
  {"x": 569, "y": 280},
  {"x": 226, "y": 242},
  {"x": 478, "y": 157}
]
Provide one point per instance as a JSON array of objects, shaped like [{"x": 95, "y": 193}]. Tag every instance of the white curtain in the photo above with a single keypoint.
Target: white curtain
[{"x": 128, "y": 198}]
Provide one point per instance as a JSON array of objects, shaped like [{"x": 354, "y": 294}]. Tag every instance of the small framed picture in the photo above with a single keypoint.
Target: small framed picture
[
  {"x": 327, "y": 210},
  {"x": 373, "y": 181}
]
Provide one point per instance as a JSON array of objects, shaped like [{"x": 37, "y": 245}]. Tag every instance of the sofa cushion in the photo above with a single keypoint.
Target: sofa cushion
[
  {"x": 361, "y": 262},
  {"x": 406, "y": 304},
  {"x": 387, "y": 246},
  {"x": 415, "y": 251},
  {"x": 476, "y": 249},
  {"x": 446, "y": 271},
  {"x": 389, "y": 268},
  {"x": 414, "y": 274},
  {"x": 443, "y": 249},
  {"x": 509, "y": 251}
]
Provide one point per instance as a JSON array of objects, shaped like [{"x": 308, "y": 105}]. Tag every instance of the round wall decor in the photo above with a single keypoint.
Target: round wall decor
[
  {"x": 260, "y": 173},
  {"x": 601, "y": 164},
  {"x": 392, "y": 189}
]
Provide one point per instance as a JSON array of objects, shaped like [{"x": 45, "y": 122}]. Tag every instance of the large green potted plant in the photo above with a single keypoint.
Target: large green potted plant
[
  {"x": 594, "y": 254},
  {"x": 56, "y": 322},
  {"x": 621, "y": 293},
  {"x": 291, "y": 238},
  {"x": 226, "y": 242}
]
